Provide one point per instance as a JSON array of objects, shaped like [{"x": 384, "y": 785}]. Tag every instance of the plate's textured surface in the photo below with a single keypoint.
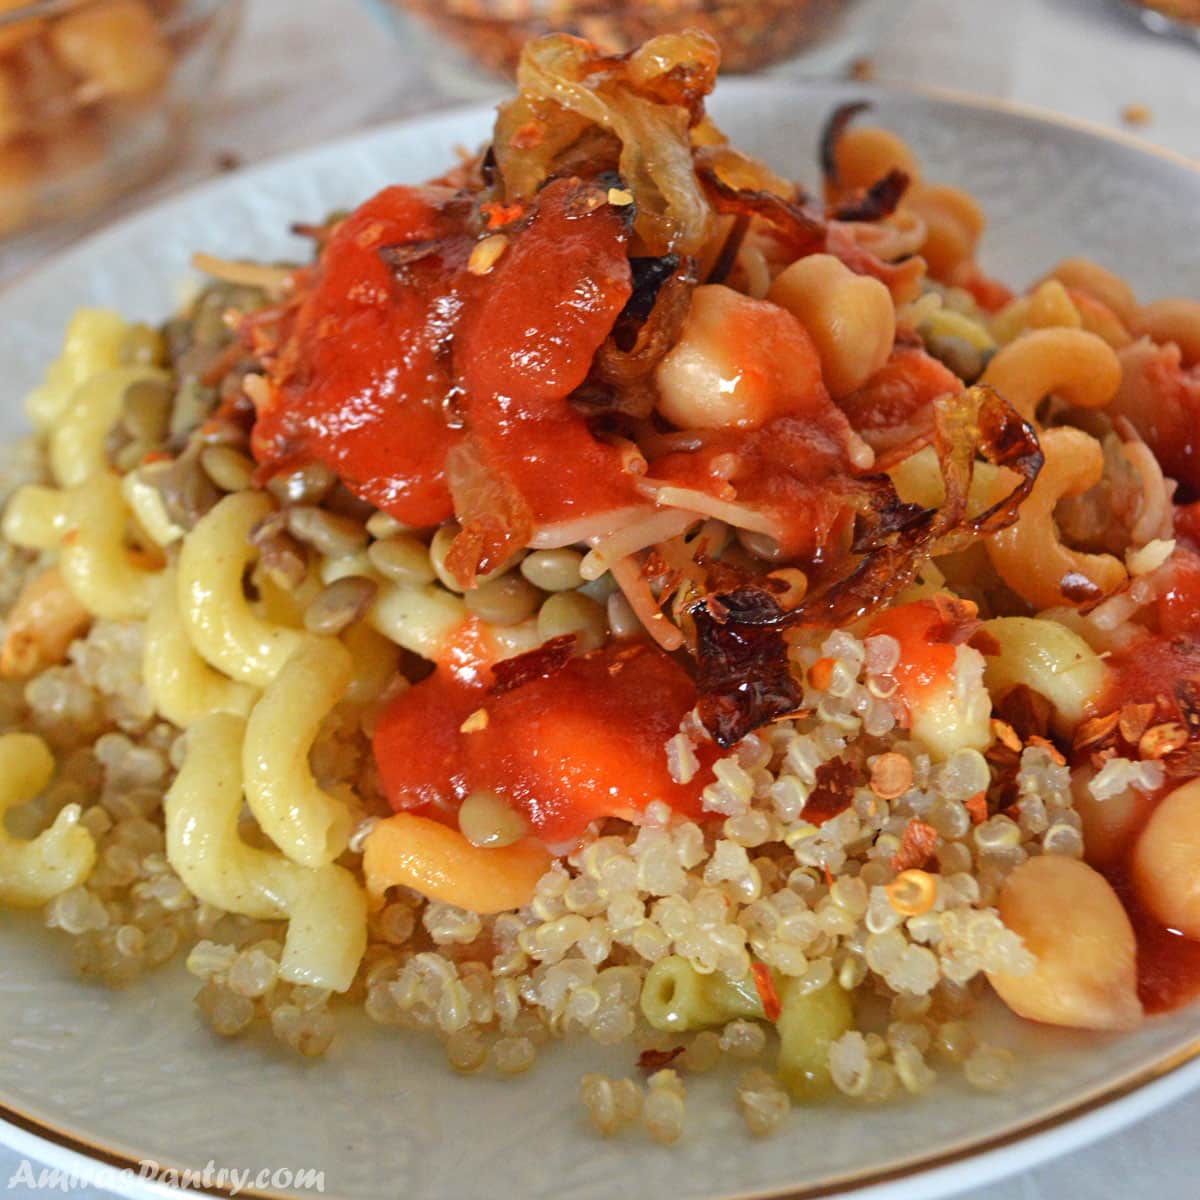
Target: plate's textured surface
[{"x": 381, "y": 1115}]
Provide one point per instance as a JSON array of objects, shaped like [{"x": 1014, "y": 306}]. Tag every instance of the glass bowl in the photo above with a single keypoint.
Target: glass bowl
[
  {"x": 467, "y": 45},
  {"x": 95, "y": 96}
]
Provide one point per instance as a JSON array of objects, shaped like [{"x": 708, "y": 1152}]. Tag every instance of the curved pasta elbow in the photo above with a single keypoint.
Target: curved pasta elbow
[
  {"x": 181, "y": 684},
  {"x": 308, "y": 824},
  {"x": 1072, "y": 363},
  {"x": 437, "y": 861},
  {"x": 1029, "y": 555},
  {"x": 60, "y": 857},
  {"x": 224, "y": 629},
  {"x": 324, "y": 906},
  {"x": 1049, "y": 659}
]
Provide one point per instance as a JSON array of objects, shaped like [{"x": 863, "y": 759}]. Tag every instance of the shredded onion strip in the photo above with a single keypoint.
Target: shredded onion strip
[
  {"x": 701, "y": 503},
  {"x": 621, "y": 543},
  {"x": 627, "y": 572},
  {"x": 587, "y": 529},
  {"x": 245, "y": 274}
]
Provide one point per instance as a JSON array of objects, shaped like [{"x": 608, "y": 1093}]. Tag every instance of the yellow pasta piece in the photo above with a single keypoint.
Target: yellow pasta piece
[
  {"x": 419, "y": 618},
  {"x": 92, "y": 344},
  {"x": 1051, "y": 660},
  {"x": 1073, "y": 364},
  {"x": 77, "y": 439},
  {"x": 37, "y": 517},
  {"x": 307, "y": 824},
  {"x": 146, "y": 504},
  {"x": 809, "y": 1023},
  {"x": 1083, "y": 275},
  {"x": 60, "y": 857},
  {"x": 437, "y": 861},
  {"x": 182, "y": 685},
  {"x": 1029, "y": 556},
  {"x": 676, "y": 998},
  {"x": 324, "y": 906},
  {"x": 223, "y": 627},
  {"x": 98, "y": 567}
]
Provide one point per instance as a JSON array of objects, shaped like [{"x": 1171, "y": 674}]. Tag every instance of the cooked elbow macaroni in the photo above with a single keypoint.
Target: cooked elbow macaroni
[
  {"x": 324, "y": 906},
  {"x": 308, "y": 824},
  {"x": 60, "y": 857}
]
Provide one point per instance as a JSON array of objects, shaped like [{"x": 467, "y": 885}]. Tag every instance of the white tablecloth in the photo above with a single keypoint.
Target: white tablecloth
[{"x": 304, "y": 72}]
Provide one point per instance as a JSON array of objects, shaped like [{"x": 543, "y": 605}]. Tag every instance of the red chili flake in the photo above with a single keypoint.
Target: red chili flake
[
  {"x": 1095, "y": 731},
  {"x": 766, "y": 991},
  {"x": 828, "y": 875},
  {"x": 1027, "y": 711},
  {"x": 977, "y": 807},
  {"x": 916, "y": 846},
  {"x": 956, "y": 620},
  {"x": 832, "y": 793},
  {"x": 985, "y": 643},
  {"x": 655, "y": 1060},
  {"x": 547, "y": 659},
  {"x": 1046, "y": 744},
  {"x": 1135, "y": 720},
  {"x": 498, "y": 215}
]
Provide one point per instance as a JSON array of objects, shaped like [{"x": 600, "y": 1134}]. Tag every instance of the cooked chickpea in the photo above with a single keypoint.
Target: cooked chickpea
[
  {"x": 1109, "y": 825},
  {"x": 738, "y": 363},
  {"x": 849, "y": 317},
  {"x": 1166, "y": 861},
  {"x": 1072, "y": 922},
  {"x": 116, "y": 46},
  {"x": 953, "y": 224}
]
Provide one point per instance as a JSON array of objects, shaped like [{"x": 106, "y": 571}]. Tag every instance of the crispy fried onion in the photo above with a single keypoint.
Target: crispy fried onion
[
  {"x": 795, "y": 225},
  {"x": 743, "y": 672},
  {"x": 877, "y": 201},
  {"x": 648, "y": 100},
  {"x": 835, "y": 126},
  {"x": 495, "y": 518}
]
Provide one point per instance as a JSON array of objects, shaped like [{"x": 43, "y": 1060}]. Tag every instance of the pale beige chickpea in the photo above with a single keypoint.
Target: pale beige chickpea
[
  {"x": 1073, "y": 923},
  {"x": 866, "y": 154},
  {"x": 18, "y": 177},
  {"x": 1109, "y": 824},
  {"x": 850, "y": 318},
  {"x": 116, "y": 46},
  {"x": 739, "y": 363},
  {"x": 1166, "y": 861}
]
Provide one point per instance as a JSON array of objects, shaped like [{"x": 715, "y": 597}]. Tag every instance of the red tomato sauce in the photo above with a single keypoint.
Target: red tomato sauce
[
  {"x": 928, "y": 647},
  {"x": 385, "y": 366},
  {"x": 893, "y": 406},
  {"x": 584, "y": 742},
  {"x": 1168, "y": 962}
]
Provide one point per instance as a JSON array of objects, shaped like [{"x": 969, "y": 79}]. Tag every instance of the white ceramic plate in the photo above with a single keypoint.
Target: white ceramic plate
[{"x": 128, "y": 1076}]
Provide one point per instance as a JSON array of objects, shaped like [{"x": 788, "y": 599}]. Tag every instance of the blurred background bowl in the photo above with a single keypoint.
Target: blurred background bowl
[
  {"x": 95, "y": 97},
  {"x": 468, "y": 45}
]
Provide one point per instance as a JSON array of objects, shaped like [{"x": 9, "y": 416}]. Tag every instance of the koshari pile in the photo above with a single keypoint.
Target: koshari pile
[{"x": 609, "y": 592}]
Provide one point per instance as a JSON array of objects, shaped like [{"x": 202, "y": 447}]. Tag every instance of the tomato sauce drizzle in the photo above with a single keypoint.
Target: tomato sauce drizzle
[
  {"x": 398, "y": 348},
  {"x": 584, "y": 742},
  {"x": 1168, "y": 962}
]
